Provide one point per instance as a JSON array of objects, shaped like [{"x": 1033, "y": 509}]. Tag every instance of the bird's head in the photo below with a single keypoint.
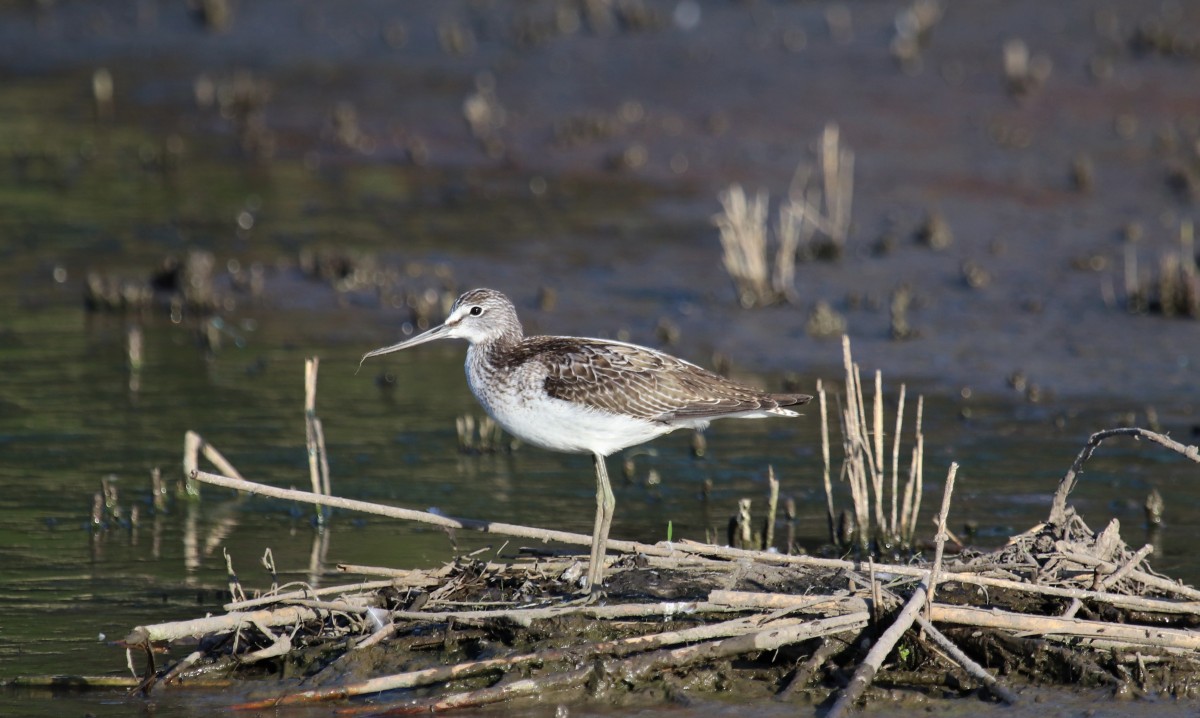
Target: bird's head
[{"x": 479, "y": 316}]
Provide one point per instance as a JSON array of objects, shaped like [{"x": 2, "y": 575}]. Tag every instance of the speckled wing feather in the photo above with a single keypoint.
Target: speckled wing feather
[{"x": 640, "y": 382}]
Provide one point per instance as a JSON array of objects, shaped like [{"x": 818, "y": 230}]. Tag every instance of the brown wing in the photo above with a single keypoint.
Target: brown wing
[{"x": 641, "y": 382}]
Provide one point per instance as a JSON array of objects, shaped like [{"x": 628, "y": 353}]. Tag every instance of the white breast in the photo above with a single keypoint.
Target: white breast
[{"x": 519, "y": 403}]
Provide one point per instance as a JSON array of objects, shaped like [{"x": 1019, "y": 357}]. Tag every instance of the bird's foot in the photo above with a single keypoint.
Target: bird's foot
[{"x": 587, "y": 597}]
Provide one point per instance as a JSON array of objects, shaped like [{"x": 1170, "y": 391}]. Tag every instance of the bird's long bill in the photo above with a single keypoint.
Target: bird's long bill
[{"x": 437, "y": 332}]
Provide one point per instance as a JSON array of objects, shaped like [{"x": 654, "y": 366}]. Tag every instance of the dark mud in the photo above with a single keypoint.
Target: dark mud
[{"x": 454, "y": 620}]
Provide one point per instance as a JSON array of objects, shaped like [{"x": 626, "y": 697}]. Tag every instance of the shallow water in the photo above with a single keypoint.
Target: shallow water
[
  {"x": 72, "y": 418},
  {"x": 623, "y": 250}
]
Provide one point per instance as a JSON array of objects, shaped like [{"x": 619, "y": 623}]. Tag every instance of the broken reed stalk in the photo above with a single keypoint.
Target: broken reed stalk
[
  {"x": 864, "y": 464},
  {"x": 314, "y": 437},
  {"x": 819, "y": 199},
  {"x": 1058, "y": 508},
  {"x": 158, "y": 491},
  {"x": 877, "y": 466},
  {"x": 853, "y": 468},
  {"x": 837, "y": 172},
  {"x": 743, "y": 230},
  {"x": 1131, "y": 635},
  {"x": 830, "y": 514},
  {"x": 310, "y": 593},
  {"x": 772, "y": 508},
  {"x": 940, "y": 541},
  {"x": 865, "y": 674},
  {"x": 1124, "y": 570},
  {"x": 494, "y": 527},
  {"x": 235, "y": 586},
  {"x": 193, "y": 446},
  {"x": 1157, "y": 582},
  {"x": 893, "y": 528},
  {"x": 791, "y": 231},
  {"x": 823, "y": 195},
  {"x": 962, "y": 659},
  {"x": 911, "y": 503},
  {"x": 1136, "y": 603},
  {"x": 175, "y": 630}
]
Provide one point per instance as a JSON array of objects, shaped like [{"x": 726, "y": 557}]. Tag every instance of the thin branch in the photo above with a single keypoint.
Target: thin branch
[
  {"x": 968, "y": 665},
  {"x": 493, "y": 527},
  {"x": 1058, "y": 509},
  {"x": 865, "y": 674},
  {"x": 830, "y": 514},
  {"x": 941, "y": 536}
]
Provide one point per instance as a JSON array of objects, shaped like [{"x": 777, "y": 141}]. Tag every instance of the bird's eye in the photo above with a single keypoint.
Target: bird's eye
[{"x": 476, "y": 311}]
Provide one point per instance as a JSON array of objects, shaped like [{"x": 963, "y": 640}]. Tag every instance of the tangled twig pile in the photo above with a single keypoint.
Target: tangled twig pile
[{"x": 1058, "y": 603}]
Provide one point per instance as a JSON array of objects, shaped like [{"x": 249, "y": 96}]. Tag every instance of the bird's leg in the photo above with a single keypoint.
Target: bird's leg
[{"x": 605, "y": 503}]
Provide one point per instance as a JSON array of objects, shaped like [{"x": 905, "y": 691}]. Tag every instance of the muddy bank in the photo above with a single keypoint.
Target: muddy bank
[{"x": 1059, "y": 605}]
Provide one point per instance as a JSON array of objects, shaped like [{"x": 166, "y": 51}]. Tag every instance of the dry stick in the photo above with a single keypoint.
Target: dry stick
[
  {"x": 319, "y": 430},
  {"x": 750, "y": 601},
  {"x": 235, "y": 586},
  {"x": 867, "y": 468},
  {"x": 772, "y": 507},
  {"x": 971, "y": 667},
  {"x": 853, "y": 427},
  {"x": 309, "y": 593},
  {"x": 906, "y": 502},
  {"x": 1127, "y": 568},
  {"x": 893, "y": 528},
  {"x": 1158, "y": 582},
  {"x": 1131, "y": 602},
  {"x": 879, "y": 465},
  {"x": 912, "y": 488},
  {"x": 525, "y": 616},
  {"x": 768, "y": 639},
  {"x": 426, "y": 517},
  {"x": 830, "y": 515},
  {"x": 865, "y": 673},
  {"x": 80, "y": 682},
  {"x": 576, "y": 654},
  {"x": 193, "y": 446},
  {"x": 310, "y": 430},
  {"x": 191, "y": 461},
  {"x": 1058, "y": 509},
  {"x": 287, "y": 615},
  {"x": 856, "y": 469},
  {"x": 995, "y": 618},
  {"x": 412, "y": 578},
  {"x": 918, "y": 474},
  {"x": 1054, "y": 625},
  {"x": 485, "y": 696},
  {"x": 281, "y": 645},
  {"x": 941, "y": 536},
  {"x": 804, "y": 672},
  {"x": 336, "y": 606}
]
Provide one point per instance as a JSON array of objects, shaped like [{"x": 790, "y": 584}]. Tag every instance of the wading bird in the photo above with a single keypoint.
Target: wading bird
[{"x": 580, "y": 395}]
